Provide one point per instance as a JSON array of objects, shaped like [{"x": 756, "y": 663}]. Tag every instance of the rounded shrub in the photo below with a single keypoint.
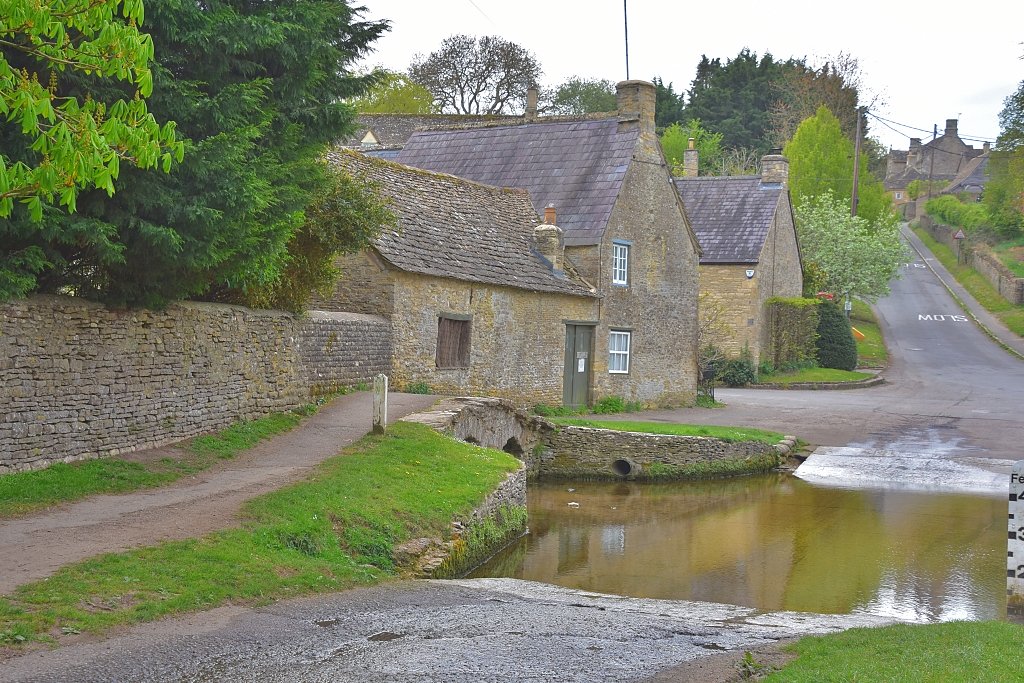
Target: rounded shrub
[
  {"x": 737, "y": 372},
  {"x": 836, "y": 347}
]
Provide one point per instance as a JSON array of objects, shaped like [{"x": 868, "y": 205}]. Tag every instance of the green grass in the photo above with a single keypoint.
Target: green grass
[
  {"x": 814, "y": 375},
  {"x": 974, "y": 282},
  {"x": 871, "y": 351},
  {"x": 334, "y": 531},
  {"x": 730, "y": 434},
  {"x": 1003, "y": 251},
  {"x": 957, "y": 652},
  {"x": 23, "y": 492}
]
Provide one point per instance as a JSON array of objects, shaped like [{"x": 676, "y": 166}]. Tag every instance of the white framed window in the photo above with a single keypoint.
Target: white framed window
[
  {"x": 620, "y": 263},
  {"x": 899, "y": 195},
  {"x": 618, "y": 351}
]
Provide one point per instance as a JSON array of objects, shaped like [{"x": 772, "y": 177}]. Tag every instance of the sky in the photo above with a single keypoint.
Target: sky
[{"x": 927, "y": 62}]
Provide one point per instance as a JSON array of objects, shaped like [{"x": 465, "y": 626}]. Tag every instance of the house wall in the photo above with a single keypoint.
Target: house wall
[
  {"x": 779, "y": 271},
  {"x": 735, "y": 300},
  {"x": 79, "y": 381},
  {"x": 518, "y": 337},
  {"x": 659, "y": 305},
  {"x": 362, "y": 287}
]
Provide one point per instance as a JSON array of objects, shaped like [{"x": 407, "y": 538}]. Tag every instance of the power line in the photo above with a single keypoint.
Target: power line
[{"x": 886, "y": 122}]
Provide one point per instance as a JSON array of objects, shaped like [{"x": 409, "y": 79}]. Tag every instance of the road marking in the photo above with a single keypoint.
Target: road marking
[
  {"x": 914, "y": 265},
  {"x": 938, "y": 317}
]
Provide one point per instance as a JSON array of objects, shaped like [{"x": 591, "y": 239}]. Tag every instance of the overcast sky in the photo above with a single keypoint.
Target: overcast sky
[{"x": 929, "y": 61}]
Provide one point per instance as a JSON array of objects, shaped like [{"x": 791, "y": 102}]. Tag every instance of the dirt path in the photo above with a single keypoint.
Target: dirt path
[{"x": 35, "y": 546}]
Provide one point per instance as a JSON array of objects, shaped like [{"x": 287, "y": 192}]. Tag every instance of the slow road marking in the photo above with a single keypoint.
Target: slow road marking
[{"x": 939, "y": 317}]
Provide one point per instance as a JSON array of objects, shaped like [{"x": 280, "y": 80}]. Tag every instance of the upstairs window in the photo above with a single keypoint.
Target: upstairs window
[
  {"x": 618, "y": 351},
  {"x": 453, "y": 341},
  {"x": 620, "y": 263}
]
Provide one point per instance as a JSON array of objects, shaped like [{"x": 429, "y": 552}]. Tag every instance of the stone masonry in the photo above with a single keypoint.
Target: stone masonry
[{"x": 82, "y": 381}]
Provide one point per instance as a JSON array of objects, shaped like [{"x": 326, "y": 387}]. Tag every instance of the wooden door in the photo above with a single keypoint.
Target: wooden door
[{"x": 579, "y": 342}]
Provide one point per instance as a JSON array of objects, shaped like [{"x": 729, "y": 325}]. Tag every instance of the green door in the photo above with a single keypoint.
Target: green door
[{"x": 579, "y": 342}]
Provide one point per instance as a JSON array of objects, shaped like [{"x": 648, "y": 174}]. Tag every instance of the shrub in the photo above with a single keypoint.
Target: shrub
[
  {"x": 836, "y": 347},
  {"x": 737, "y": 372},
  {"x": 615, "y": 404}
]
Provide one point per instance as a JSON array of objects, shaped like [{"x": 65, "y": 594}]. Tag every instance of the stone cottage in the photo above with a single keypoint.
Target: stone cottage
[
  {"x": 478, "y": 294},
  {"x": 750, "y": 251},
  {"x": 624, "y": 228},
  {"x": 942, "y": 159}
]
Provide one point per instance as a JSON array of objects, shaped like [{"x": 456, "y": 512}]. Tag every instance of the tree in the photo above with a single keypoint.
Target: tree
[
  {"x": 835, "y": 344},
  {"x": 676, "y": 139},
  {"x": 258, "y": 91},
  {"x": 821, "y": 160},
  {"x": 468, "y": 75},
  {"x": 1004, "y": 193},
  {"x": 858, "y": 257},
  {"x": 578, "y": 96},
  {"x": 54, "y": 142},
  {"x": 395, "y": 93},
  {"x": 668, "y": 105}
]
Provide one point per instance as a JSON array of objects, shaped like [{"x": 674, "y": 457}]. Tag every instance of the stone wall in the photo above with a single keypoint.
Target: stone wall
[
  {"x": 82, "y": 381},
  {"x": 607, "y": 454},
  {"x": 343, "y": 349},
  {"x": 733, "y": 297},
  {"x": 363, "y": 286},
  {"x": 979, "y": 257}
]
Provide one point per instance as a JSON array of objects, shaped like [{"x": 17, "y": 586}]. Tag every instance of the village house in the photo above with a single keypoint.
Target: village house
[
  {"x": 941, "y": 161},
  {"x": 477, "y": 291},
  {"x": 624, "y": 229},
  {"x": 750, "y": 253}
]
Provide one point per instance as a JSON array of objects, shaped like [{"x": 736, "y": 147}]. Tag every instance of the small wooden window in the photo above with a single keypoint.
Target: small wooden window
[
  {"x": 618, "y": 351},
  {"x": 453, "y": 339}
]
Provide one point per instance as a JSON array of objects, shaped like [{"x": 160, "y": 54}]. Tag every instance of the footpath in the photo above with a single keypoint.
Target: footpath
[
  {"x": 988, "y": 323},
  {"x": 37, "y": 545}
]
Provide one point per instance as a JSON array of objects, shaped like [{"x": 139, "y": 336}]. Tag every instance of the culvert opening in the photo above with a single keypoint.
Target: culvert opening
[
  {"x": 623, "y": 468},
  {"x": 513, "y": 447},
  {"x": 473, "y": 440}
]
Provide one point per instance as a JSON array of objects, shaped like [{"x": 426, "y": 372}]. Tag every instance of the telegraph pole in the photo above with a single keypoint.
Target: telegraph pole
[
  {"x": 856, "y": 164},
  {"x": 931, "y": 159}
]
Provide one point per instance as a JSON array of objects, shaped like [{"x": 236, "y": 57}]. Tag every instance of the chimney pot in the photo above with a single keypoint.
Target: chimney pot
[
  {"x": 549, "y": 214},
  {"x": 690, "y": 143}
]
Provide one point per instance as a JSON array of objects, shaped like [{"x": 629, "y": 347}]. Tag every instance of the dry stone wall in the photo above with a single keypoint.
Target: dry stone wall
[
  {"x": 979, "y": 257},
  {"x": 82, "y": 381}
]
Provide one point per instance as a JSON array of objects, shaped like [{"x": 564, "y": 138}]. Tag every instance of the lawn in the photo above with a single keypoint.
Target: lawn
[
  {"x": 956, "y": 652},
  {"x": 830, "y": 375},
  {"x": 332, "y": 532},
  {"x": 730, "y": 434},
  {"x": 974, "y": 282},
  {"x": 23, "y": 492}
]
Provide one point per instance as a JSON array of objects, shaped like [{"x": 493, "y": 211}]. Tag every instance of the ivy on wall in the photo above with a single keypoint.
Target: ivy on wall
[{"x": 793, "y": 327}]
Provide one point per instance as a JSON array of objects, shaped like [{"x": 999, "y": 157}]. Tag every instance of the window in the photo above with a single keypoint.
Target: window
[
  {"x": 620, "y": 263},
  {"x": 453, "y": 337},
  {"x": 618, "y": 351},
  {"x": 899, "y": 195}
]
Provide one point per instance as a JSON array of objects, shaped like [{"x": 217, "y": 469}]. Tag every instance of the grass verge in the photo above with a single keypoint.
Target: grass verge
[
  {"x": 974, "y": 282},
  {"x": 936, "y": 653},
  {"x": 829, "y": 375},
  {"x": 23, "y": 492},
  {"x": 334, "y": 531},
  {"x": 729, "y": 434},
  {"x": 871, "y": 351}
]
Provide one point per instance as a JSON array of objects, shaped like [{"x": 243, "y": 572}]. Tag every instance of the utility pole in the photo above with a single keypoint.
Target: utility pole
[
  {"x": 625, "y": 25},
  {"x": 931, "y": 159},
  {"x": 856, "y": 164}
]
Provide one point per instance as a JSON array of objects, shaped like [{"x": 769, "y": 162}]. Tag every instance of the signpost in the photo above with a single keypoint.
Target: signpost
[
  {"x": 959, "y": 236},
  {"x": 1015, "y": 546}
]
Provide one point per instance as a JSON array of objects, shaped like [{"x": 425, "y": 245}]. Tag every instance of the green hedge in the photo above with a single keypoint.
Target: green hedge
[
  {"x": 949, "y": 210},
  {"x": 792, "y": 325},
  {"x": 836, "y": 346}
]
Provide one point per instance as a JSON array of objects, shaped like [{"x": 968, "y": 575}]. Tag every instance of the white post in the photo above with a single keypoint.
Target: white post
[
  {"x": 1015, "y": 545},
  {"x": 380, "y": 403}
]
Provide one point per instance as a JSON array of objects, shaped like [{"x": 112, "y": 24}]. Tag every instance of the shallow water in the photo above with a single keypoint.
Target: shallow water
[{"x": 772, "y": 542}]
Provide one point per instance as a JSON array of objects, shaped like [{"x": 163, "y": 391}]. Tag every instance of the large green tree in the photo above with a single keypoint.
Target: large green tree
[
  {"x": 55, "y": 142},
  {"x": 1004, "y": 193},
  {"x": 578, "y": 96},
  {"x": 676, "y": 139},
  {"x": 859, "y": 257},
  {"x": 258, "y": 92},
  {"x": 396, "y": 93},
  {"x": 668, "y": 104},
  {"x": 821, "y": 161}
]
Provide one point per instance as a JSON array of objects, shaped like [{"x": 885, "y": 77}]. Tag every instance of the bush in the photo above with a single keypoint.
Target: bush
[
  {"x": 737, "y": 372},
  {"x": 615, "y": 404},
  {"x": 836, "y": 347}
]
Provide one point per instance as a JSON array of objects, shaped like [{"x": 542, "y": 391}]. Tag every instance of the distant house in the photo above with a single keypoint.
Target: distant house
[
  {"x": 625, "y": 230},
  {"x": 750, "y": 251},
  {"x": 383, "y": 135},
  {"x": 971, "y": 180},
  {"x": 942, "y": 160},
  {"x": 476, "y": 289}
]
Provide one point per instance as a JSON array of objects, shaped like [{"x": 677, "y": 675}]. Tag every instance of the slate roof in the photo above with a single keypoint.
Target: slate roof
[
  {"x": 576, "y": 166},
  {"x": 450, "y": 227},
  {"x": 393, "y": 130},
  {"x": 971, "y": 178},
  {"x": 730, "y": 215}
]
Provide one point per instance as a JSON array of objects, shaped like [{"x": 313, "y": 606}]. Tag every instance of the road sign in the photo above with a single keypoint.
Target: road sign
[
  {"x": 959, "y": 235},
  {"x": 1015, "y": 544}
]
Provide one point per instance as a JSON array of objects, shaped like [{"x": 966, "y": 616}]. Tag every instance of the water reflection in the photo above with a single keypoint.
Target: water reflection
[{"x": 772, "y": 542}]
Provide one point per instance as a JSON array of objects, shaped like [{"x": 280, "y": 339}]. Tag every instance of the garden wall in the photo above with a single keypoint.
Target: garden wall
[
  {"x": 79, "y": 380},
  {"x": 978, "y": 257}
]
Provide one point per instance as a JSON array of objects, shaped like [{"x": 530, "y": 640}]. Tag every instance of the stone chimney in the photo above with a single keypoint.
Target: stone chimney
[
  {"x": 986, "y": 147},
  {"x": 951, "y": 128},
  {"x": 531, "y": 103},
  {"x": 691, "y": 160},
  {"x": 913, "y": 155},
  {"x": 547, "y": 238},
  {"x": 775, "y": 168},
  {"x": 635, "y": 101}
]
